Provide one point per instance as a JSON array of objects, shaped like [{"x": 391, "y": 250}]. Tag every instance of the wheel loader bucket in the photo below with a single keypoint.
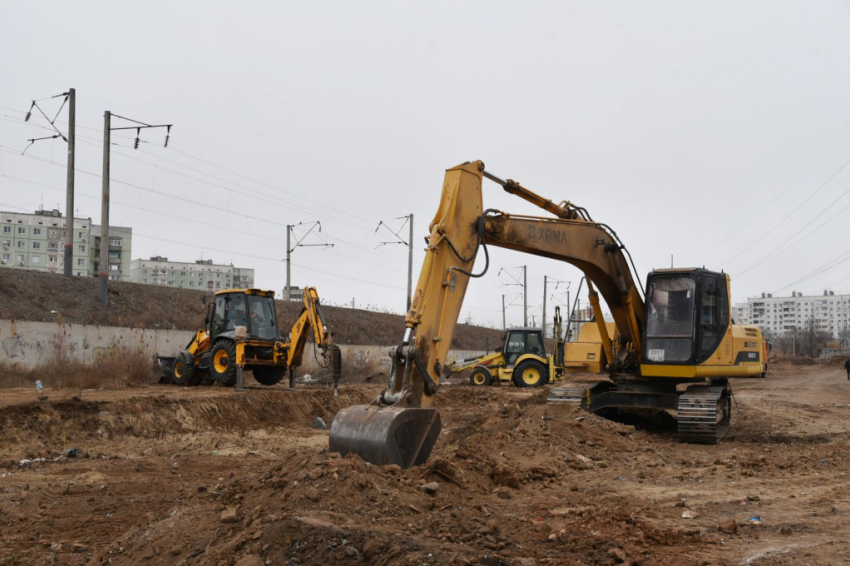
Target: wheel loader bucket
[{"x": 386, "y": 435}]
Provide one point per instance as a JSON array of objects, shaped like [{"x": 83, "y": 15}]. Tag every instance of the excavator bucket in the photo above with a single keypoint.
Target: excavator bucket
[{"x": 386, "y": 435}]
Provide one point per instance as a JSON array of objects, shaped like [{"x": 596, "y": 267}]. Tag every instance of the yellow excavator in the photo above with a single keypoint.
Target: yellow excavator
[
  {"x": 240, "y": 333},
  {"x": 675, "y": 348}
]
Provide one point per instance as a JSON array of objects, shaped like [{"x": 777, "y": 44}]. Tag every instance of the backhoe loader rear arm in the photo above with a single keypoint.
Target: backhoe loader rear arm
[{"x": 312, "y": 318}]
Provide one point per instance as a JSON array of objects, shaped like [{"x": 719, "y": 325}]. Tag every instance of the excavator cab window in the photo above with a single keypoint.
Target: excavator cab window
[
  {"x": 714, "y": 315},
  {"x": 670, "y": 319}
]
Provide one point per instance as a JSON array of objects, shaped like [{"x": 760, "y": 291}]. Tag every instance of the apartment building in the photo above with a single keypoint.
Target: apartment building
[
  {"x": 828, "y": 312},
  {"x": 37, "y": 242},
  {"x": 120, "y": 247},
  {"x": 201, "y": 274}
]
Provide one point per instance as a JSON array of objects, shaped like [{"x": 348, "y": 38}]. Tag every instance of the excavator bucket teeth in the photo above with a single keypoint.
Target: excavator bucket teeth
[{"x": 387, "y": 435}]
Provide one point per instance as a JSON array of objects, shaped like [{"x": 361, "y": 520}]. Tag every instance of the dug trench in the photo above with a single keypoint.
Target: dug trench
[{"x": 185, "y": 476}]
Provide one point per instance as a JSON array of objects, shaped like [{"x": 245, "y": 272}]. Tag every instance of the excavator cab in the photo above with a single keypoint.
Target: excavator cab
[{"x": 687, "y": 316}]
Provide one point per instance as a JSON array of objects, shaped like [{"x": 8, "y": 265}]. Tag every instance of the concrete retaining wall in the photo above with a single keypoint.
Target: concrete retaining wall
[{"x": 32, "y": 343}]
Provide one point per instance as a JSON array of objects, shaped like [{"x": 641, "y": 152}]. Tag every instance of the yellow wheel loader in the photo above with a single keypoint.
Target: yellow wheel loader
[
  {"x": 675, "y": 347},
  {"x": 240, "y": 333}
]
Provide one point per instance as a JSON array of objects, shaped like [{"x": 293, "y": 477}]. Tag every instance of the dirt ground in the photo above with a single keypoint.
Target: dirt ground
[{"x": 166, "y": 475}]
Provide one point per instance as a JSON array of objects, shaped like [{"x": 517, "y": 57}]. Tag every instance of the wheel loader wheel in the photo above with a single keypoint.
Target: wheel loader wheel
[
  {"x": 530, "y": 373},
  {"x": 223, "y": 363},
  {"x": 480, "y": 376},
  {"x": 269, "y": 375},
  {"x": 183, "y": 370}
]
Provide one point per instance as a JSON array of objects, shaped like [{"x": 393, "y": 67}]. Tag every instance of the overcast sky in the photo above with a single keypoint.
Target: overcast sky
[{"x": 715, "y": 133}]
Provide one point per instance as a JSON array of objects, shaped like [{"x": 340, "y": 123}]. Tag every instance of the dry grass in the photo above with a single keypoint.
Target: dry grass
[{"x": 119, "y": 369}]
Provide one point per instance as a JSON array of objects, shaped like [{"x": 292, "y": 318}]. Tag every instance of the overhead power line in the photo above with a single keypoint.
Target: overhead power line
[
  {"x": 790, "y": 214},
  {"x": 782, "y": 192}
]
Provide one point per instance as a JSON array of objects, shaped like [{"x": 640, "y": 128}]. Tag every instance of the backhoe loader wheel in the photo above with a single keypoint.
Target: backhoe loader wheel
[
  {"x": 269, "y": 375},
  {"x": 480, "y": 376},
  {"x": 530, "y": 373},
  {"x": 183, "y": 369},
  {"x": 223, "y": 363}
]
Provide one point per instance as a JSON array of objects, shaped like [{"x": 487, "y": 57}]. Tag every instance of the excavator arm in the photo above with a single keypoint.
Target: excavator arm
[{"x": 401, "y": 426}]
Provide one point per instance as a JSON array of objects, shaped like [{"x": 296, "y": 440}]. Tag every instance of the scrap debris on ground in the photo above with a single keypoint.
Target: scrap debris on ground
[{"x": 167, "y": 475}]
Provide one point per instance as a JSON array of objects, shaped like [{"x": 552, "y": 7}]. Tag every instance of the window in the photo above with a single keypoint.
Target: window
[
  {"x": 113, "y": 268},
  {"x": 5, "y": 257},
  {"x": 35, "y": 259},
  {"x": 22, "y": 244},
  {"x": 182, "y": 274},
  {"x": 21, "y": 258},
  {"x": 7, "y": 229},
  {"x": 671, "y": 319},
  {"x": 36, "y": 231},
  {"x": 144, "y": 280},
  {"x": 191, "y": 283},
  {"x": 82, "y": 248},
  {"x": 114, "y": 255},
  {"x": 52, "y": 259},
  {"x": 22, "y": 230},
  {"x": 115, "y": 242},
  {"x": 81, "y": 262},
  {"x": 82, "y": 235},
  {"x": 36, "y": 245}
]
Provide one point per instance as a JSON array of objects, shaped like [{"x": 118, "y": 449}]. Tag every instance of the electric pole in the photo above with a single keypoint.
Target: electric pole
[
  {"x": 524, "y": 295},
  {"x": 504, "y": 326},
  {"x": 103, "y": 292},
  {"x": 410, "y": 264},
  {"x": 288, "y": 250},
  {"x": 408, "y": 243},
  {"x": 71, "y": 100},
  {"x": 544, "y": 306},
  {"x": 290, "y": 229},
  {"x": 69, "y": 198}
]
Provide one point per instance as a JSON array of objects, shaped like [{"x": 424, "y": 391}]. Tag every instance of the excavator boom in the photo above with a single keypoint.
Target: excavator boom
[{"x": 401, "y": 426}]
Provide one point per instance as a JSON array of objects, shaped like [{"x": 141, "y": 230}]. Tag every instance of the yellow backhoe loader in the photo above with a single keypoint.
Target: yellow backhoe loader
[
  {"x": 521, "y": 359},
  {"x": 679, "y": 334},
  {"x": 240, "y": 333}
]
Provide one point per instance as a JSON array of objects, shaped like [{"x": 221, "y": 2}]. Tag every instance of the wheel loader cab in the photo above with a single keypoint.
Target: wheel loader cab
[{"x": 687, "y": 316}]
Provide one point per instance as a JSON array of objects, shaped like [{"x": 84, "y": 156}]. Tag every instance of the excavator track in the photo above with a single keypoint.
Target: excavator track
[
  {"x": 704, "y": 412},
  {"x": 572, "y": 393}
]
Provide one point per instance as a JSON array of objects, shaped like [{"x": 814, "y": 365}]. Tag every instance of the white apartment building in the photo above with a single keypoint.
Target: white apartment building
[
  {"x": 37, "y": 242},
  {"x": 830, "y": 312},
  {"x": 202, "y": 274}
]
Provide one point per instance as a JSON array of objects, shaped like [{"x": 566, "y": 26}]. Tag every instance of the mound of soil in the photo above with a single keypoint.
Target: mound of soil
[{"x": 489, "y": 494}]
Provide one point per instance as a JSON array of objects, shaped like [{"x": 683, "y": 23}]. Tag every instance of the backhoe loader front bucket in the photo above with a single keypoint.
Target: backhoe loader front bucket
[{"x": 386, "y": 435}]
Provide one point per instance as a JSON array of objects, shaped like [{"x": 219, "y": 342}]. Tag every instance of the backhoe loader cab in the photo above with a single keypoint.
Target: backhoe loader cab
[{"x": 251, "y": 308}]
